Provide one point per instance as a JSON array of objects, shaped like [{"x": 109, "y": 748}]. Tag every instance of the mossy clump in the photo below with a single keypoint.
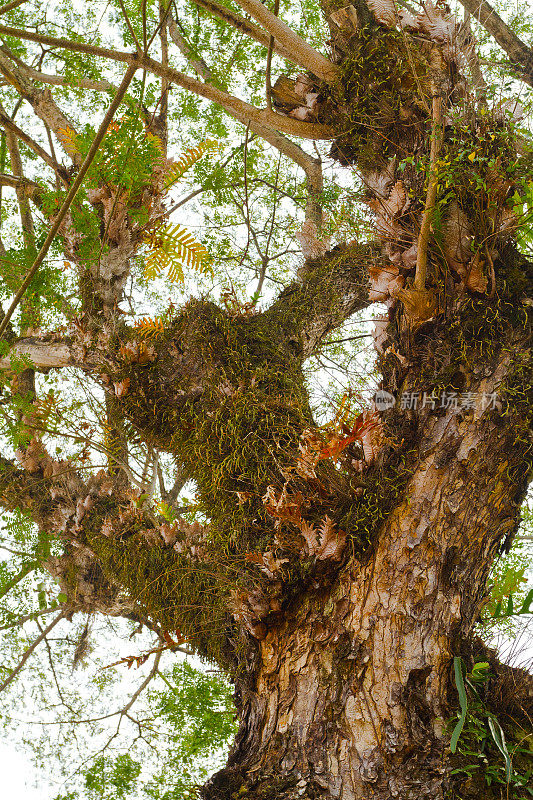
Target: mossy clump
[
  {"x": 380, "y": 99},
  {"x": 177, "y": 594}
]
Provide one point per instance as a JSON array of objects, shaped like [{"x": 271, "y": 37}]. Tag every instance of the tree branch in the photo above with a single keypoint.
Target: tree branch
[
  {"x": 244, "y": 25},
  {"x": 43, "y": 354},
  {"x": 519, "y": 53},
  {"x": 30, "y": 188},
  {"x": 237, "y": 108},
  {"x": 41, "y": 102},
  {"x": 302, "y": 52},
  {"x": 11, "y": 6},
  {"x": 186, "y": 50},
  {"x": 21, "y": 620},
  {"x": 71, "y": 194},
  {"x": 8, "y": 125},
  {"x": 30, "y": 650},
  {"x": 26, "y": 569},
  {"x": 331, "y": 289}
]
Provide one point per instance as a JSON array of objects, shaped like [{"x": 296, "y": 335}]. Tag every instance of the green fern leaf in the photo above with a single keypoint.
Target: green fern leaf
[
  {"x": 188, "y": 160},
  {"x": 170, "y": 248}
]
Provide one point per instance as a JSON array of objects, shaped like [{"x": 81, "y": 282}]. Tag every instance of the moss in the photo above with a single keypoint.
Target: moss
[
  {"x": 382, "y": 89},
  {"x": 165, "y": 587}
]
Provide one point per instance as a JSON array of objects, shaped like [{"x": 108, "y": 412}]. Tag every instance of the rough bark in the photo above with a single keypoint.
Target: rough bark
[
  {"x": 350, "y": 692},
  {"x": 341, "y": 569}
]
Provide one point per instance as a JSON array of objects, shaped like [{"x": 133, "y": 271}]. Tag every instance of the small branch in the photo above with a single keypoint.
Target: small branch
[
  {"x": 26, "y": 569},
  {"x": 28, "y": 229},
  {"x": 11, "y": 6},
  {"x": 186, "y": 50},
  {"x": 268, "y": 81},
  {"x": 58, "y": 80},
  {"x": 129, "y": 26},
  {"x": 302, "y": 52},
  {"x": 72, "y": 193},
  {"x": 75, "y": 83},
  {"x": 21, "y": 620},
  {"x": 469, "y": 49},
  {"x": 431, "y": 196},
  {"x": 12, "y": 675},
  {"x": 9, "y": 125},
  {"x": 243, "y": 25},
  {"x": 53, "y": 669}
]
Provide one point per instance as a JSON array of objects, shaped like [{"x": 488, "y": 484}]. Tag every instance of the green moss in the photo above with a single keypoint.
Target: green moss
[
  {"x": 383, "y": 87},
  {"x": 166, "y": 588}
]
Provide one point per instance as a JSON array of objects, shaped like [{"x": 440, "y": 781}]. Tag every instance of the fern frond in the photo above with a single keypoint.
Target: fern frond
[
  {"x": 170, "y": 248},
  {"x": 150, "y": 328},
  {"x": 188, "y": 160},
  {"x": 112, "y": 441},
  {"x": 69, "y": 138}
]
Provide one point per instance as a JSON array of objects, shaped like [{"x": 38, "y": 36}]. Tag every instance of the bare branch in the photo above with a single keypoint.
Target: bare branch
[
  {"x": 129, "y": 26},
  {"x": 13, "y": 674}
]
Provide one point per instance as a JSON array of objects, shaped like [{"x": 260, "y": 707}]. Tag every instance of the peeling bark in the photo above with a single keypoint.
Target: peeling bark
[{"x": 351, "y": 691}]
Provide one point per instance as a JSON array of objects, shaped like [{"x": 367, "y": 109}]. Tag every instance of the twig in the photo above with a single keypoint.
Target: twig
[
  {"x": 30, "y": 650},
  {"x": 269, "y": 63},
  {"x": 130, "y": 26},
  {"x": 21, "y": 620}
]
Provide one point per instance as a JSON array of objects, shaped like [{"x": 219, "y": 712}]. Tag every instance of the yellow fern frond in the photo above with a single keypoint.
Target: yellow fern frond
[
  {"x": 187, "y": 160},
  {"x": 155, "y": 140},
  {"x": 170, "y": 248},
  {"x": 68, "y": 138},
  {"x": 111, "y": 441},
  {"x": 150, "y": 328}
]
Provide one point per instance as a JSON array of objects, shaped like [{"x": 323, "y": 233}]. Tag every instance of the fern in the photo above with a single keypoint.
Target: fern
[
  {"x": 188, "y": 160},
  {"x": 150, "y": 328},
  {"x": 111, "y": 441},
  {"x": 170, "y": 248}
]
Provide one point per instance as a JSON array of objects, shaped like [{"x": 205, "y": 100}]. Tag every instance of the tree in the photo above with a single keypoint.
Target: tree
[{"x": 335, "y": 572}]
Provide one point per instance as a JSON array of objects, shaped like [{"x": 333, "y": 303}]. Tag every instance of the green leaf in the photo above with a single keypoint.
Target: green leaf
[
  {"x": 463, "y": 700},
  {"x": 525, "y": 608},
  {"x": 499, "y": 740}
]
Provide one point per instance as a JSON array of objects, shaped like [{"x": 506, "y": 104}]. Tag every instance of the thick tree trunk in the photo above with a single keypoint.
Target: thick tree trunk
[{"x": 352, "y": 690}]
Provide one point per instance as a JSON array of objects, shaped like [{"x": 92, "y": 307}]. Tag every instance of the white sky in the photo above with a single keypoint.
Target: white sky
[{"x": 18, "y": 776}]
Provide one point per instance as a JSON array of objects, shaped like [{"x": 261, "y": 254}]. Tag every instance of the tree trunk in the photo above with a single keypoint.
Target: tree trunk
[
  {"x": 338, "y": 572},
  {"x": 352, "y": 690}
]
